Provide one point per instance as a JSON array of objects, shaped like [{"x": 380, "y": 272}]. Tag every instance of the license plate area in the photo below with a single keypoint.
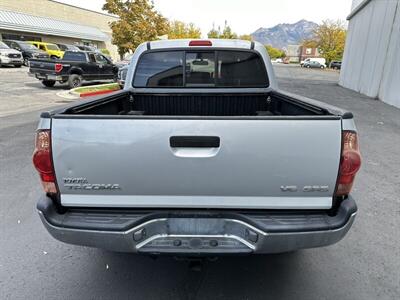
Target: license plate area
[{"x": 196, "y": 235}]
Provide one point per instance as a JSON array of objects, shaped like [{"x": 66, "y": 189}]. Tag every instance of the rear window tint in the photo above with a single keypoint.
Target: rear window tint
[
  {"x": 74, "y": 56},
  {"x": 200, "y": 69},
  {"x": 205, "y": 68},
  {"x": 160, "y": 69},
  {"x": 241, "y": 69}
]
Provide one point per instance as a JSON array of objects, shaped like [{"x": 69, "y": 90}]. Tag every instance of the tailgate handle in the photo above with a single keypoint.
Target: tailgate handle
[{"x": 194, "y": 141}]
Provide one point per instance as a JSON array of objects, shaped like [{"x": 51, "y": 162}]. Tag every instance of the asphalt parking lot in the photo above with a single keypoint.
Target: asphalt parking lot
[
  {"x": 21, "y": 93},
  {"x": 365, "y": 265}
]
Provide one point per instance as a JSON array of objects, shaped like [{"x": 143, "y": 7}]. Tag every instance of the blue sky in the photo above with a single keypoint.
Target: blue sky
[{"x": 243, "y": 16}]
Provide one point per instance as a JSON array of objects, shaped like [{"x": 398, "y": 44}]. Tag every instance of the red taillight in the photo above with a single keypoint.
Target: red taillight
[
  {"x": 350, "y": 163},
  {"x": 200, "y": 43},
  {"x": 43, "y": 162},
  {"x": 58, "y": 67}
]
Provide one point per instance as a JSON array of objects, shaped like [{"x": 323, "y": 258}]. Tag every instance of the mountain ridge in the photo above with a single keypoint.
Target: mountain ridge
[{"x": 284, "y": 34}]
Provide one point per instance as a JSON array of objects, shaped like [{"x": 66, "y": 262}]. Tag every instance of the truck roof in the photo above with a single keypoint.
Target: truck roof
[{"x": 215, "y": 43}]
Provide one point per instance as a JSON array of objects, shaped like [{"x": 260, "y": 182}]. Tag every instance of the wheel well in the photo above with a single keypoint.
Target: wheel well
[{"x": 76, "y": 72}]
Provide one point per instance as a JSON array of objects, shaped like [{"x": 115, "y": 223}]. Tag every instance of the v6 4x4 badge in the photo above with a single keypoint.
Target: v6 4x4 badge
[{"x": 307, "y": 188}]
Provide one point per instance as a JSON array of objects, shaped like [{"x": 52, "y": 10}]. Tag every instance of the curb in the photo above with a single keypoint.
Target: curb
[
  {"x": 74, "y": 93},
  {"x": 96, "y": 93}
]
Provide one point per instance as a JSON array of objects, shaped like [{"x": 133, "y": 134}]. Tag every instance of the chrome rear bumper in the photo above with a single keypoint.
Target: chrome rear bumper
[{"x": 193, "y": 233}]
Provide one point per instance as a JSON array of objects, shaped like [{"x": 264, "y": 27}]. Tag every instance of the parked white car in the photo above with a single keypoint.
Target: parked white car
[
  {"x": 320, "y": 60},
  {"x": 9, "y": 56}
]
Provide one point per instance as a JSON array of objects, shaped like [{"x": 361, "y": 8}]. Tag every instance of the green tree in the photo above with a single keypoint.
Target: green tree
[
  {"x": 311, "y": 43},
  {"x": 331, "y": 37},
  {"x": 181, "y": 30},
  {"x": 246, "y": 37},
  {"x": 138, "y": 22},
  {"x": 226, "y": 33},
  {"x": 275, "y": 53},
  {"x": 213, "y": 33}
]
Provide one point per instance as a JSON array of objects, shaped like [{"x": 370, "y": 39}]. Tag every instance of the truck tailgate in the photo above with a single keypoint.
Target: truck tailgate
[
  {"x": 42, "y": 65},
  {"x": 203, "y": 163}
]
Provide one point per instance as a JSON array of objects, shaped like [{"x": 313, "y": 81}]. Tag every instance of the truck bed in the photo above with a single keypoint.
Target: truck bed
[
  {"x": 202, "y": 150},
  {"x": 183, "y": 104}
]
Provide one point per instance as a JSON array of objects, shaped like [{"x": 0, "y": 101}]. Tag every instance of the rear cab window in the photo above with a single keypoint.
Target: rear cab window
[
  {"x": 160, "y": 69},
  {"x": 201, "y": 68},
  {"x": 74, "y": 56}
]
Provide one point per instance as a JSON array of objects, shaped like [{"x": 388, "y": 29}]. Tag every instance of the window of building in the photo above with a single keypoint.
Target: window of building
[{"x": 19, "y": 37}]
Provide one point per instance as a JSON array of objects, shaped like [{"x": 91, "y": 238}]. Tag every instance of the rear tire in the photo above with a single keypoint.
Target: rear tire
[
  {"x": 322, "y": 67},
  {"x": 48, "y": 83},
  {"x": 74, "y": 81}
]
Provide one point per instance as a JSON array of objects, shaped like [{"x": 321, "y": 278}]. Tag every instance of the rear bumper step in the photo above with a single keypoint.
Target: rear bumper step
[{"x": 197, "y": 232}]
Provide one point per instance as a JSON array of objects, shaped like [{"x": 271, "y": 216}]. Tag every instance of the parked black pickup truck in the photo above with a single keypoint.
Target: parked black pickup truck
[{"x": 74, "y": 68}]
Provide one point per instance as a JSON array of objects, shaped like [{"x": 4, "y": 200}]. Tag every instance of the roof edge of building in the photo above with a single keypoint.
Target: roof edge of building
[
  {"x": 357, "y": 9},
  {"x": 100, "y": 36},
  {"x": 53, "y": 33}
]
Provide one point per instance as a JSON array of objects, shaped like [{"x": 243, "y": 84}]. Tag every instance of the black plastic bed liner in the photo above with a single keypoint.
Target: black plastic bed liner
[{"x": 196, "y": 104}]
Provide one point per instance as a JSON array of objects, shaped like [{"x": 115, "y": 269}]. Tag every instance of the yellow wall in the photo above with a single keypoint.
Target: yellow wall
[{"x": 60, "y": 11}]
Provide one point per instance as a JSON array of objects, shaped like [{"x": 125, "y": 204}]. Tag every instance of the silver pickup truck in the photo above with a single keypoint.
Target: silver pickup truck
[{"x": 199, "y": 154}]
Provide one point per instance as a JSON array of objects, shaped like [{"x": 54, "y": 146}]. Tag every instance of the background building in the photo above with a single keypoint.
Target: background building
[
  {"x": 293, "y": 53},
  {"x": 371, "y": 62},
  {"x": 297, "y": 53},
  {"x": 308, "y": 52},
  {"x": 55, "y": 22}
]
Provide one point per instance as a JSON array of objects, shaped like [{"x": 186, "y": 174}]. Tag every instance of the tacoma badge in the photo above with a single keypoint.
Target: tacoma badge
[{"x": 82, "y": 183}]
